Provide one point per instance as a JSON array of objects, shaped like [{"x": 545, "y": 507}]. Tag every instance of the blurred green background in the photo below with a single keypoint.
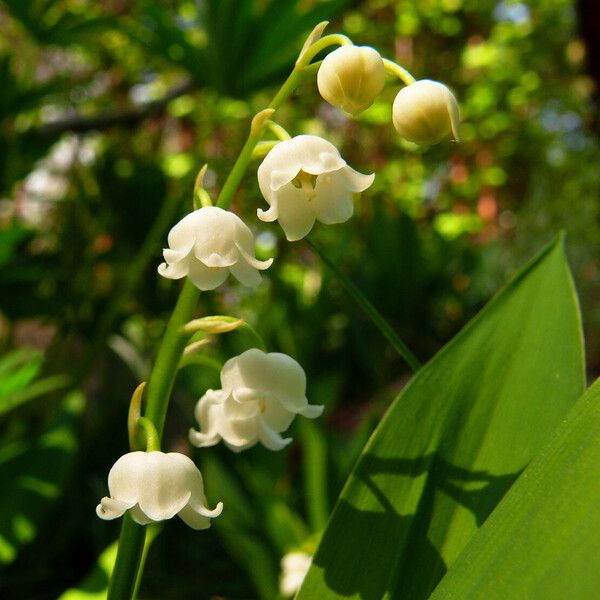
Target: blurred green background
[{"x": 107, "y": 111}]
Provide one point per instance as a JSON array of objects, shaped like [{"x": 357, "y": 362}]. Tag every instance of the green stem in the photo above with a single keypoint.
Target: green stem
[
  {"x": 169, "y": 355},
  {"x": 398, "y": 71},
  {"x": 245, "y": 326},
  {"x": 371, "y": 312},
  {"x": 263, "y": 148},
  {"x": 151, "y": 436},
  {"x": 129, "y": 558},
  {"x": 333, "y": 39},
  {"x": 278, "y": 130},
  {"x": 151, "y": 532},
  {"x": 241, "y": 164},
  {"x": 165, "y": 368}
]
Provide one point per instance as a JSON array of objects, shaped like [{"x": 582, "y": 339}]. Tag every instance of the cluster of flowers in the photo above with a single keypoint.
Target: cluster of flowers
[
  {"x": 260, "y": 396},
  {"x": 303, "y": 180}
]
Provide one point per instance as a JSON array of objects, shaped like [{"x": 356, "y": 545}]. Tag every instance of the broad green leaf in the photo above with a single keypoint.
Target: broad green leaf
[
  {"x": 543, "y": 539},
  {"x": 31, "y": 476},
  {"x": 455, "y": 440}
]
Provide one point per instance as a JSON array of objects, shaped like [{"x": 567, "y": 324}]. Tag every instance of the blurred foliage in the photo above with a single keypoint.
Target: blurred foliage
[{"x": 107, "y": 111}]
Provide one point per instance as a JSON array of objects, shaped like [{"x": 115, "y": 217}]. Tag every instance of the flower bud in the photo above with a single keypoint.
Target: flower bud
[
  {"x": 425, "y": 112},
  {"x": 351, "y": 77}
]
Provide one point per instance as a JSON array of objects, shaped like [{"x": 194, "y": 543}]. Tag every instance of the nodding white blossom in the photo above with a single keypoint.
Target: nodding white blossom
[
  {"x": 154, "y": 486},
  {"x": 351, "y": 77},
  {"x": 305, "y": 179},
  {"x": 208, "y": 244},
  {"x": 260, "y": 396},
  {"x": 294, "y": 567},
  {"x": 425, "y": 112}
]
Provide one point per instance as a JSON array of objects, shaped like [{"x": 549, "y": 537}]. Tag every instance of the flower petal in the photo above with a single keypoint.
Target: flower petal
[
  {"x": 175, "y": 270},
  {"x": 252, "y": 260},
  {"x": 183, "y": 235},
  {"x": 217, "y": 260},
  {"x": 312, "y": 411},
  {"x": 174, "y": 256},
  {"x": 308, "y": 153},
  {"x": 215, "y": 237},
  {"x": 333, "y": 201},
  {"x": 296, "y": 215},
  {"x": 355, "y": 181},
  {"x": 240, "y": 447},
  {"x": 193, "y": 480},
  {"x": 245, "y": 408},
  {"x": 246, "y": 274},
  {"x": 194, "y": 519},
  {"x": 110, "y": 509},
  {"x": 139, "y": 517},
  {"x": 315, "y": 154},
  {"x": 164, "y": 490},
  {"x": 207, "y": 278},
  {"x": 276, "y": 416},
  {"x": 243, "y": 394},
  {"x": 208, "y": 413},
  {"x": 271, "y": 439},
  {"x": 272, "y": 213},
  {"x": 203, "y": 440},
  {"x": 126, "y": 477}
]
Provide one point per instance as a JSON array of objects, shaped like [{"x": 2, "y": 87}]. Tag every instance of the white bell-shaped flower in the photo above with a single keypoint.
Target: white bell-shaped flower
[
  {"x": 154, "y": 486},
  {"x": 260, "y": 396},
  {"x": 351, "y": 77},
  {"x": 305, "y": 179},
  {"x": 208, "y": 244},
  {"x": 294, "y": 567},
  {"x": 426, "y": 112}
]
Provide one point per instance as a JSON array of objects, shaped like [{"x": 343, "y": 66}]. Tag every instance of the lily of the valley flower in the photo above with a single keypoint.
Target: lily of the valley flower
[
  {"x": 260, "y": 396},
  {"x": 425, "y": 112},
  {"x": 208, "y": 244},
  {"x": 294, "y": 567},
  {"x": 154, "y": 486},
  {"x": 305, "y": 179},
  {"x": 351, "y": 77}
]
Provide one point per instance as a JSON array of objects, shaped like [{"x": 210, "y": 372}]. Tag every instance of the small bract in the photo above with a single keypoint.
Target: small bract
[
  {"x": 260, "y": 396},
  {"x": 154, "y": 486},
  {"x": 208, "y": 244},
  {"x": 351, "y": 77},
  {"x": 426, "y": 112},
  {"x": 305, "y": 179}
]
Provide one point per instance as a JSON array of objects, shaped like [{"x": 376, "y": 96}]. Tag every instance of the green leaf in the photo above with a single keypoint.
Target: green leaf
[
  {"x": 32, "y": 473},
  {"x": 542, "y": 540},
  {"x": 240, "y": 529},
  {"x": 18, "y": 370},
  {"x": 455, "y": 440}
]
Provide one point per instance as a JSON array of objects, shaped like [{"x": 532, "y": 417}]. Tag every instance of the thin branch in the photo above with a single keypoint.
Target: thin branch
[{"x": 105, "y": 120}]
